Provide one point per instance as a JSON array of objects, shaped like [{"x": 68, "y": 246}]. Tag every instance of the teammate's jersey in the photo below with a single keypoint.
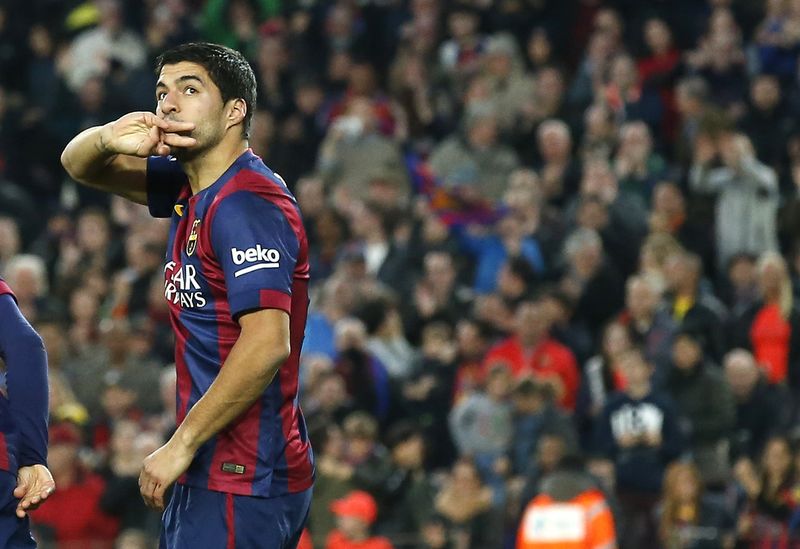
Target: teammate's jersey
[
  {"x": 8, "y": 454},
  {"x": 234, "y": 247},
  {"x": 23, "y": 388}
]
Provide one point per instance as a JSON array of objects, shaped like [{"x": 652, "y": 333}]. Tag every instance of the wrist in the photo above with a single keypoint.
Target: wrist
[
  {"x": 186, "y": 441},
  {"x": 104, "y": 138}
]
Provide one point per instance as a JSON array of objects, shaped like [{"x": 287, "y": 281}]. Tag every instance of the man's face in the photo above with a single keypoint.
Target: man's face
[
  {"x": 686, "y": 353},
  {"x": 186, "y": 93},
  {"x": 742, "y": 375}
]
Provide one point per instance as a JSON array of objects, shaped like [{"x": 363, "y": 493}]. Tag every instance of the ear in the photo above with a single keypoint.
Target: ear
[{"x": 236, "y": 112}]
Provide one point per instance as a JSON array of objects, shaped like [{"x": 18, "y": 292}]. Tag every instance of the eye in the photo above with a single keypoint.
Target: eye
[
  {"x": 190, "y": 91},
  {"x": 161, "y": 95}
]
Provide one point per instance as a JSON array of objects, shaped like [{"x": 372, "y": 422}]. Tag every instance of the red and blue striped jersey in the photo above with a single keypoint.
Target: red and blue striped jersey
[
  {"x": 23, "y": 388},
  {"x": 234, "y": 247},
  {"x": 8, "y": 458}
]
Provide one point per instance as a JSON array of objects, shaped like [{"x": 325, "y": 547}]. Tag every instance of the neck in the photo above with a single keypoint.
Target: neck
[
  {"x": 639, "y": 390},
  {"x": 204, "y": 169},
  {"x": 772, "y": 296},
  {"x": 686, "y": 292},
  {"x": 530, "y": 341},
  {"x": 357, "y": 536}
]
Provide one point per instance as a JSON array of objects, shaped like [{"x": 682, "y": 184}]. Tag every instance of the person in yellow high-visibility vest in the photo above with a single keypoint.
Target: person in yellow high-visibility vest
[{"x": 569, "y": 513}]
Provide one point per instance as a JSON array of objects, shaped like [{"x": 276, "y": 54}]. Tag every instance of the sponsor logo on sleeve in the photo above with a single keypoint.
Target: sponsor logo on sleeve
[{"x": 259, "y": 258}]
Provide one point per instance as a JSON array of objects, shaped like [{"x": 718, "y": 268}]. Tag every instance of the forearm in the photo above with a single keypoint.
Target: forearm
[
  {"x": 702, "y": 179},
  {"x": 248, "y": 370},
  {"x": 28, "y": 391},
  {"x": 86, "y": 155},
  {"x": 760, "y": 175}
]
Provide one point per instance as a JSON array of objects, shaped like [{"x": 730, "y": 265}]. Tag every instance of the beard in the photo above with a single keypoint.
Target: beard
[{"x": 206, "y": 140}]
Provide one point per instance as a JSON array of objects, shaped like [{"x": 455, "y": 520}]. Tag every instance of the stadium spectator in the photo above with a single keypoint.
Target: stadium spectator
[
  {"x": 689, "y": 517},
  {"x": 746, "y": 190},
  {"x": 705, "y": 406},
  {"x": 768, "y": 327},
  {"x": 531, "y": 351},
  {"x": 355, "y": 514},
  {"x": 759, "y": 406},
  {"x": 639, "y": 431}
]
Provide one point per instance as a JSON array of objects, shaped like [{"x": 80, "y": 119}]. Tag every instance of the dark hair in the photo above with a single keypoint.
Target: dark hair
[
  {"x": 374, "y": 312},
  {"x": 228, "y": 69},
  {"x": 400, "y": 432}
]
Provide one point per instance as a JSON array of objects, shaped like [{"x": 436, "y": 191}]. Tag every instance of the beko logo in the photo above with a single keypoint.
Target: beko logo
[{"x": 267, "y": 258}]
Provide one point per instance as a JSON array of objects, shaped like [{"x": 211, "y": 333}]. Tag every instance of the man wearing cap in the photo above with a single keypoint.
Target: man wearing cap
[
  {"x": 355, "y": 513},
  {"x": 25, "y": 481}
]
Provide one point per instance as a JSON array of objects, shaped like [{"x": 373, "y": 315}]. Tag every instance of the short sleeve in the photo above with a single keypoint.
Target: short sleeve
[
  {"x": 165, "y": 179},
  {"x": 257, "y": 248}
]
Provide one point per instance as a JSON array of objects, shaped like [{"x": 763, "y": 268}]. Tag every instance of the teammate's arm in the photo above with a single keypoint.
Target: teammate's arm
[
  {"x": 26, "y": 378},
  {"x": 113, "y": 157},
  {"x": 262, "y": 347}
]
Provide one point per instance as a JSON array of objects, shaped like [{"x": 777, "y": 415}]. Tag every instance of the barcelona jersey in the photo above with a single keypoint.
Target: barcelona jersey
[{"x": 234, "y": 247}]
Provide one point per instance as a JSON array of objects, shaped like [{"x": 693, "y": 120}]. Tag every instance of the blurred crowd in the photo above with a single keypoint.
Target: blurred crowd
[{"x": 543, "y": 233}]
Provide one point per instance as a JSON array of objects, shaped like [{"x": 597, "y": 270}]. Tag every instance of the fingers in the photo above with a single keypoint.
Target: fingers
[
  {"x": 166, "y": 124},
  {"x": 148, "y": 487},
  {"x": 20, "y": 491},
  {"x": 154, "y": 121},
  {"x": 158, "y": 497},
  {"x": 162, "y": 149},
  {"x": 175, "y": 126},
  {"x": 33, "y": 501},
  {"x": 175, "y": 140}
]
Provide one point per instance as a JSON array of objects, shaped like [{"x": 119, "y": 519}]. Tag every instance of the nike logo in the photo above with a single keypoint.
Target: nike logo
[{"x": 179, "y": 209}]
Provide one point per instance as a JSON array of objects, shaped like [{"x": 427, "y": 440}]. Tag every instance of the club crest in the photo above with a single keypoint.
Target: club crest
[{"x": 191, "y": 244}]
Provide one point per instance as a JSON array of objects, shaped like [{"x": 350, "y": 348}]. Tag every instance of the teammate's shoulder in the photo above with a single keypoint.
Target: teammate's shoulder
[{"x": 4, "y": 287}]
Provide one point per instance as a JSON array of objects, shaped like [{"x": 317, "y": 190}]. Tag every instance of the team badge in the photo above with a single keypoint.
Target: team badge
[{"x": 191, "y": 244}]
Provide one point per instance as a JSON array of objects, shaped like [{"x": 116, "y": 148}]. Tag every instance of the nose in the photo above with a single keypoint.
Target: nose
[{"x": 168, "y": 104}]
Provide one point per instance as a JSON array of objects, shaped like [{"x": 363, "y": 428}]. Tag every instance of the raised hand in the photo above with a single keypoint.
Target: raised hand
[{"x": 144, "y": 134}]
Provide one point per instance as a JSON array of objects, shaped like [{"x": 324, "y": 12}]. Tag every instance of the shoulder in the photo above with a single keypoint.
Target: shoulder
[
  {"x": 663, "y": 401},
  {"x": 504, "y": 347},
  {"x": 556, "y": 348},
  {"x": 616, "y": 400},
  {"x": 257, "y": 182},
  {"x": 5, "y": 288},
  {"x": 381, "y": 543},
  {"x": 254, "y": 201}
]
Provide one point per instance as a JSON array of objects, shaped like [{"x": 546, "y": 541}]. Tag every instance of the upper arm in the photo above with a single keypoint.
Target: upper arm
[
  {"x": 269, "y": 327},
  {"x": 257, "y": 248},
  {"x": 12, "y": 321}
]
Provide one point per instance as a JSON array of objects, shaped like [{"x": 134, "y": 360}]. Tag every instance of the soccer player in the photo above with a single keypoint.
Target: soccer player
[
  {"x": 25, "y": 481},
  {"x": 235, "y": 277}
]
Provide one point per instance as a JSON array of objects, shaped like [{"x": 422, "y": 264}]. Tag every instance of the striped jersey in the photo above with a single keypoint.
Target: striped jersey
[
  {"x": 8, "y": 454},
  {"x": 236, "y": 246},
  {"x": 23, "y": 388}
]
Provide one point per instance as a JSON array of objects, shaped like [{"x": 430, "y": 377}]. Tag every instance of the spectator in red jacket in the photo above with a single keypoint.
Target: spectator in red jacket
[
  {"x": 72, "y": 517},
  {"x": 532, "y": 352},
  {"x": 355, "y": 513}
]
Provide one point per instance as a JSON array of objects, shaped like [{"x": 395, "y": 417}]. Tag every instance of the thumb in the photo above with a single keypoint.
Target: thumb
[{"x": 22, "y": 486}]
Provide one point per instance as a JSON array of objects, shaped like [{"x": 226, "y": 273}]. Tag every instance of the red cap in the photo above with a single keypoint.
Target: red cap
[
  {"x": 358, "y": 504},
  {"x": 64, "y": 433}
]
